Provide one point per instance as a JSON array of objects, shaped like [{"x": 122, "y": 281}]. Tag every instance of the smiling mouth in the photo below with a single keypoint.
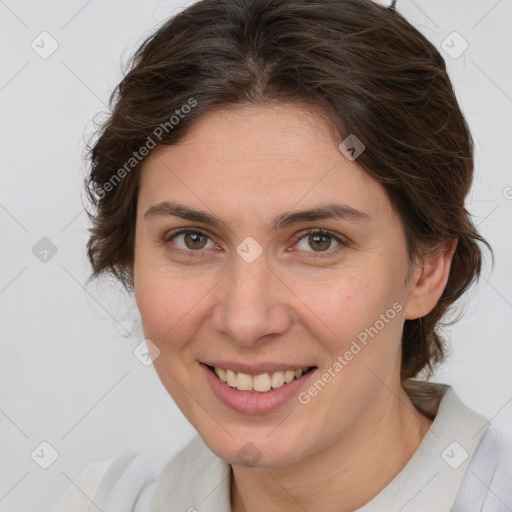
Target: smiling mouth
[{"x": 261, "y": 383}]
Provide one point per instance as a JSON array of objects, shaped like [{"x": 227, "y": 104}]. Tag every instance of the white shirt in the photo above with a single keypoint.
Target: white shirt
[{"x": 462, "y": 465}]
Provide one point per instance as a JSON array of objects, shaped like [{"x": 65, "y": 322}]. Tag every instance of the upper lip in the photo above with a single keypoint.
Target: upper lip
[{"x": 255, "y": 368}]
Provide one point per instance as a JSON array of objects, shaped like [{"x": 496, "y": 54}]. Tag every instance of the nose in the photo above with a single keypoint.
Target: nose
[{"x": 252, "y": 303}]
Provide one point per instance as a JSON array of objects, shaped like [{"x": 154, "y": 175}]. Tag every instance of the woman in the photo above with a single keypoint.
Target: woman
[{"x": 281, "y": 185}]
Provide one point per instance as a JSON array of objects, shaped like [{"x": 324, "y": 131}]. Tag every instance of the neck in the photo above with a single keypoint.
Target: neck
[{"x": 344, "y": 476}]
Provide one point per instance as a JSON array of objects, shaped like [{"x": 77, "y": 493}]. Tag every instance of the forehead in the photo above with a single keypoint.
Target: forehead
[{"x": 253, "y": 159}]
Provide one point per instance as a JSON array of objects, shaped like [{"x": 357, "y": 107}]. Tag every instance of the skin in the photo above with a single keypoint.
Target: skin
[{"x": 247, "y": 165}]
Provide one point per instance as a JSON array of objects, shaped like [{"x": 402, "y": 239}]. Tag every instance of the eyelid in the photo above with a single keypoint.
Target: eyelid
[
  {"x": 179, "y": 231},
  {"x": 343, "y": 241},
  {"x": 340, "y": 238},
  {"x": 185, "y": 230}
]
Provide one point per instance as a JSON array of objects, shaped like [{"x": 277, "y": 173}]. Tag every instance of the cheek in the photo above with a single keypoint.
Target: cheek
[
  {"x": 346, "y": 306},
  {"x": 363, "y": 312},
  {"x": 168, "y": 306}
]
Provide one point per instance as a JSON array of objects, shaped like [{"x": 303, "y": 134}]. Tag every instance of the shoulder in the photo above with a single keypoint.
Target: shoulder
[
  {"x": 116, "y": 483},
  {"x": 493, "y": 467},
  {"x": 487, "y": 485},
  {"x": 143, "y": 482},
  {"x": 79, "y": 494},
  {"x": 194, "y": 476}
]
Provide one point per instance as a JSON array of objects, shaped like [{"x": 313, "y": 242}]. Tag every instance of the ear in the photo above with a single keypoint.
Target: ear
[{"x": 429, "y": 280}]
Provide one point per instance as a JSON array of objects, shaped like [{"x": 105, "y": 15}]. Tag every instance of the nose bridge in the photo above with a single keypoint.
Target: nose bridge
[{"x": 251, "y": 303}]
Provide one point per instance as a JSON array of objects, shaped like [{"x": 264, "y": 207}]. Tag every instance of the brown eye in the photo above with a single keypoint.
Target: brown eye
[
  {"x": 319, "y": 241},
  {"x": 192, "y": 240}
]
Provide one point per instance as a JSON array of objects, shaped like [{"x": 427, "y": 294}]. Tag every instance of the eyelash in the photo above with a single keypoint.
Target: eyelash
[{"x": 315, "y": 231}]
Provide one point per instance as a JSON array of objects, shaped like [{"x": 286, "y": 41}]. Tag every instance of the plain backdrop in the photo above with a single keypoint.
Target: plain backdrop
[{"x": 68, "y": 375}]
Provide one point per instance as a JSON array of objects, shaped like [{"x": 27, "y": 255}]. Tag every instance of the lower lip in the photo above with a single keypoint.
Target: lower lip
[{"x": 253, "y": 402}]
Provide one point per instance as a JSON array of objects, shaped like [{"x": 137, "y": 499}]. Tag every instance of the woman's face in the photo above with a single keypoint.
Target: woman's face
[{"x": 256, "y": 294}]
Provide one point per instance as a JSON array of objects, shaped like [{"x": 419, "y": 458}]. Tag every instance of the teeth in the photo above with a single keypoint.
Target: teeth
[
  {"x": 231, "y": 378},
  {"x": 277, "y": 379},
  {"x": 289, "y": 376},
  {"x": 260, "y": 383},
  {"x": 221, "y": 373},
  {"x": 243, "y": 382}
]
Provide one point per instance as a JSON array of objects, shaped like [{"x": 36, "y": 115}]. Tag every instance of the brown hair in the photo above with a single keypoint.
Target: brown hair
[{"x": 360, "y": 63}]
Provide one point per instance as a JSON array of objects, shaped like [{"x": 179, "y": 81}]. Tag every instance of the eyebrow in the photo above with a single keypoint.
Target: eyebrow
[{"x": 327, "y": 211}]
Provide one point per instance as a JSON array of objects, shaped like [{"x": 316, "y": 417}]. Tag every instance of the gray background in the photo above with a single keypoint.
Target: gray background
[{"x": 68, "y": 375}]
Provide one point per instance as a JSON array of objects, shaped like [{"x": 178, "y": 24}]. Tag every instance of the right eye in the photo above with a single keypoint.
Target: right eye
[{"x": 193, "y": 239}]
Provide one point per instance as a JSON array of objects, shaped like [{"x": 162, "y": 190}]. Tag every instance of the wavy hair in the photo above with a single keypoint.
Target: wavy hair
[{"x": 361, "y": 64}]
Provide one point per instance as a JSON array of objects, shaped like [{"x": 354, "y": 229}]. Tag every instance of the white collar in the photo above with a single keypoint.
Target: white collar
[{"x": 196, "y": 479}]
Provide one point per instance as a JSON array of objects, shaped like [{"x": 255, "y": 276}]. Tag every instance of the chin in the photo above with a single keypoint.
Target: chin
[{"x": 255, "y": 451}]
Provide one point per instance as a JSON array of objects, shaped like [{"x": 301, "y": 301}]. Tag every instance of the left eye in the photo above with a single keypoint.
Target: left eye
[{"x": 319, "y": 240}]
